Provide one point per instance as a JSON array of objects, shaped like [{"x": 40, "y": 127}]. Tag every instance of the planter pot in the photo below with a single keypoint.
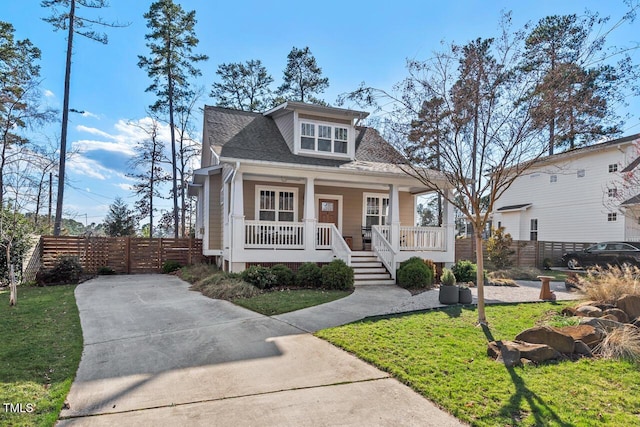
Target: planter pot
[
  {"x": 448, "y": 295},
  {"x": 465, "y": 296}
]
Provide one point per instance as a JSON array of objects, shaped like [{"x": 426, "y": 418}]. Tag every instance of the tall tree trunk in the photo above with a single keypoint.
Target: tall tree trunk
[
  {"x": 65, "y": 119},
  {"x": 482, "y": 318}
]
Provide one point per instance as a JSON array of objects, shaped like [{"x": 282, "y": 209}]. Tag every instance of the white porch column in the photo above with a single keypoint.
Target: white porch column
[
  {"x": 309, "y": 218},
  {"x": 449, "y": 224},
  {"x": 237, "y": 217},
  {"x": 394, "y": 217}
]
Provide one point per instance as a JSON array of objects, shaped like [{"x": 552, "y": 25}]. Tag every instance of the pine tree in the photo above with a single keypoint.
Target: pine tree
[
  {"x": 302, "y": 78},
  {"x": 243, "y": 86},
  {"x": 120, "y": 221},
  {"x": 171, "y": 63}
]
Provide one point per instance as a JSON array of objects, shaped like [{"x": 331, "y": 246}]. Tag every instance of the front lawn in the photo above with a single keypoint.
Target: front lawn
[
  {"x": 286, "y": 300},
  {"x": 443, "y": 355},
  {"x": 39, "y": 355}
]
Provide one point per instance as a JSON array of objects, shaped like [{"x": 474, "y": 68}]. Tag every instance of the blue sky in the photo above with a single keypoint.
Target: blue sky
[{"x": 353, "y": 41}]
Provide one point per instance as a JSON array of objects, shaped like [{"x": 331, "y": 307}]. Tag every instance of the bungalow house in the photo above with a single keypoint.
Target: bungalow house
[
  {"x": 583, "y": 195},
  {"x": 303, "y": 183}
]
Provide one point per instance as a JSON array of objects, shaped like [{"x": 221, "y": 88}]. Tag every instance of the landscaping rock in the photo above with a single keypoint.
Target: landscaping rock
[
  {"x": 609, "y": 317},
  {"x": 569, "y": 312},
  {"x": 549, "y": 336},
  {"x": 602, "y": 324},
  {"x": 506, "y": 352},
  {"x": 586, "y": 334},
  {"x": 582, "y": 349},
  {"x": 620, "y": 315},
  {"x": 630, "y": 304},
  {"x": 588, "y": 311},
  {"x": 510, "y": 356}
]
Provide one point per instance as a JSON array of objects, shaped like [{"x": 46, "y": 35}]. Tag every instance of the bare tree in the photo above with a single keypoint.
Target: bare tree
[
  {"x": 147, "y": 170},
  {"x": 472, "y": 95},
  {"x": 64, "y": 17}
]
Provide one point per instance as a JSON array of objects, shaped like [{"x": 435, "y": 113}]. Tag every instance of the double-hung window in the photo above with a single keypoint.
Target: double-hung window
[
  {"x": 376, "y": 210},
  {"x": 276, "y": 204},
  {"x": 324, "y": 138}
]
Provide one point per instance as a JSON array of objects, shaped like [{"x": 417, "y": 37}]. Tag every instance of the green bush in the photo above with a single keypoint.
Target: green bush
[
  {"x": 284, "y": 275},
  {"x": 336, "y": 275},
  {"x": 308, "y": 275},
  {"x": 465, "y": 271},
  {"x": 170, "y": 266},
  {"x": 447, "y": 277},
  {"x": 499, "y": 248},
  {"x": 106, "y": 271},
  {"x": 260, "y": 277},
  {"x": 414, "y": 273},
  {"x": 67, "y": 270}
]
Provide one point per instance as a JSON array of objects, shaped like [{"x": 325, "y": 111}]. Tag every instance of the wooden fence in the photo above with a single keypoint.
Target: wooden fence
[
  {"x": 526, "y": 253},
  {"x": 127, "y": 255}
]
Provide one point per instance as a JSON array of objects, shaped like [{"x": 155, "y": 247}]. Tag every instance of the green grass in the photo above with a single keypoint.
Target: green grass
[
  {"x": 39, "y": 354},
  {"x": 443, "y": 355},
  {"x": 284, "y": 301}
]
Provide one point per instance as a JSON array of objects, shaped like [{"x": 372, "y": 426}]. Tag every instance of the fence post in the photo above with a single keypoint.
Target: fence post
[{"x": 127, "y": 251}]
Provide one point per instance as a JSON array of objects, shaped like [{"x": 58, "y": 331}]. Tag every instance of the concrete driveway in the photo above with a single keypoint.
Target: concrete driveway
[{"x": 156, "y": 353}]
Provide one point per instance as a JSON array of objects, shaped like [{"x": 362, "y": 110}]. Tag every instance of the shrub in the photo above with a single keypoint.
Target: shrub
[
  {"x": 196, "y": 272},
  {"x": 225, "y": 286},
  {"x": 499, "y": 248},
  {"x": 465, "y": 271},
  {"x": 259, "y": 276},
  {"x": 547, "y": 263},
  {"x": 520, "y": 273},
  {"x": 284, "y": 275},
  {"x": 106, "y": 271},
  {"x": 170, "y": 266},
  {"x": 447, "y": 277},
  {"x": 336, "y": 275},
  {"x": 414, "y": 273},
  {"x": 621, "y": 343},
  {"x": 67, "y": 270},
  {"x": 309, "y": 275}
]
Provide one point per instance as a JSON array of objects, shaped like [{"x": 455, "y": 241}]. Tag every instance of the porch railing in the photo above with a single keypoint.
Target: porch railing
[
  {"x": 274, "y": 235},
  {"x": 423, "y": 238},
  {"x": 339, "y": 246},
  {"x": 323, "y": 236},
  {"x": 382, "y": 248}
]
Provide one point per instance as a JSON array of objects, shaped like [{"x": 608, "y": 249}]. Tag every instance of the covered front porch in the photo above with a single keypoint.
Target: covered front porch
[{"x": 320, "y": 217}]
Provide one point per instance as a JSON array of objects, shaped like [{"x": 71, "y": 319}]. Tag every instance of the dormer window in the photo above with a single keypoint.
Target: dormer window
[{"x": 323, "y": 137}]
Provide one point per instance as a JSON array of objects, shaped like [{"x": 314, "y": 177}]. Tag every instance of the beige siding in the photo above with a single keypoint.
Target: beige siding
[
  {"x": 285, "y": 125},
  {"x": 215, "y": 212}
]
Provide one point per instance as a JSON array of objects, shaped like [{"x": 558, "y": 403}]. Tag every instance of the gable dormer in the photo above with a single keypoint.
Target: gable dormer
[{"x": 317, "y": 131}]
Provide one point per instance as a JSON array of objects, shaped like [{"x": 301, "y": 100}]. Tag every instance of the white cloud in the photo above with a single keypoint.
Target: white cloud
[
  {"x": 47, "y": 93},
  {"x": 90, "y": 114},
  {"x": 126, "y": 187},
  {"x": 88, "y": 167}
]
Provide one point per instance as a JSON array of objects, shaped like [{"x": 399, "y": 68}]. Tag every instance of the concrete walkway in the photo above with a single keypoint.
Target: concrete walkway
[{"x": 156, "y": 353}]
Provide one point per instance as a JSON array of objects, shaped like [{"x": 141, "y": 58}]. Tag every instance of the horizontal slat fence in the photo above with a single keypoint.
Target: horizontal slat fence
[
  {"x": 123, "y": 254},
  {"x": 526, "y": 253}
]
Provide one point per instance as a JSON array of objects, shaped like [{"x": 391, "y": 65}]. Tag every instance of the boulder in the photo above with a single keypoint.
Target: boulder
[
  {"x": 588, "y": 311},
  {"x": 609, "y": 317},
  {"x": 569, "y": 312},
  {"x": 549, "y": 336},
  {"x": 582, "y": 349},
  {"x": 605, "y": 325},
  {"x": 630, "y": 304},
  {"x": 507, "y": 351},
  {"x": 619, "y": 315},
  {"x": 587, "y": 334}
]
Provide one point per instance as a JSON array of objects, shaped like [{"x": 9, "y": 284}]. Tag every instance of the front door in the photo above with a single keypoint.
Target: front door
[{"x": 328, "y": 211}]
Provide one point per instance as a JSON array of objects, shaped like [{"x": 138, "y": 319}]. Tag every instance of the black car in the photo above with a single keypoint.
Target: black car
[{"x": 603, "y": 254}]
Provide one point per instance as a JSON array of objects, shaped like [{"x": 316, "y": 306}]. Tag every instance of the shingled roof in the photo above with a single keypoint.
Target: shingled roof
[{"x": 253, "y": 136}]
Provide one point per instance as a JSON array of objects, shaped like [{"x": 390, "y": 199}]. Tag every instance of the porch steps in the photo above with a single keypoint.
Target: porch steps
[{"x": 368, "y": 270}]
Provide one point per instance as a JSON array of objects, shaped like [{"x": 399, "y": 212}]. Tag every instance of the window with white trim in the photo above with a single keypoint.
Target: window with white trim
[
  {"x": 553, "y": 178},
  {"x": 324, "y": 138},
  {"x": 276, "y": 204},
  {"x": 612, "y": 192},
  {"x": 613, "y": 167},
  {"x": 580, "y": 173},
  {"x": 533, "y": 232},
  {"x": 612, "y": 216},
  {"x": 376, "y": 210}
]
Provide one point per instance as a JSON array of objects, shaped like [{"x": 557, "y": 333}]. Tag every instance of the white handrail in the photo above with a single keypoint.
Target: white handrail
[
  {"x": 382, "y": 248},
  {"x": 339, "y": 246},
  {"x": 423, "y": 238},
  {"x": 323, "y": 236}
]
